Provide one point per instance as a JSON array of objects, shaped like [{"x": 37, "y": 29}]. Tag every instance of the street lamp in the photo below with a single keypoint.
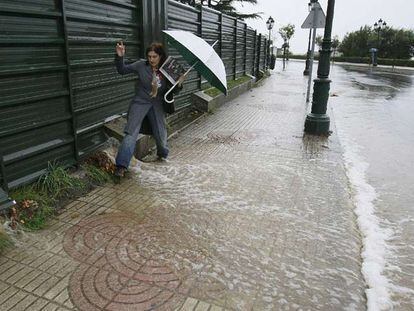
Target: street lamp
[
  {"x": 317, "y": 122},
  {"x": 306, "y": 71},
  {"x": 269, "y": 24},
  {"x": 378, "y": 26}
]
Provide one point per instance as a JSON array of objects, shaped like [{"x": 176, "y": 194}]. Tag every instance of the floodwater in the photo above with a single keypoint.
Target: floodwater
[{"x": 373, "y": 111}]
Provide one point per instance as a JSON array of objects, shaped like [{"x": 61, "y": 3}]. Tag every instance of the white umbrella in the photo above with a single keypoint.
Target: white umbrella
[{"x": 200, "y": 55}]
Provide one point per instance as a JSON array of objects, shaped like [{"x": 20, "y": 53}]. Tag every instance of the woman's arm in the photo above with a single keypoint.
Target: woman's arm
[{"x": 121, "y": 67}]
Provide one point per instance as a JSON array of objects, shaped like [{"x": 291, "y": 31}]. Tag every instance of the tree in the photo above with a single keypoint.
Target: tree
[
  {"x": 286, "y": 32},
  {"x": 356, "y": 43},
  {"x": 390, "y": 42},
  {"x": 226, "y": 7}
]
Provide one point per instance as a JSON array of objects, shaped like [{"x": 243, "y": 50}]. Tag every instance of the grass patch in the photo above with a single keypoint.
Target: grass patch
[
  {"x": 213, "y": 92},
  {"x": 38, "y": 202},
  {"x": 96, "y": 175},
  {"x": 33, "y": 207},
  {"x": 57, "y": 182}
]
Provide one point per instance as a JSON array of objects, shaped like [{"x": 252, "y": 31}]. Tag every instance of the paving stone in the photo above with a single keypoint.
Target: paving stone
[
  {"x": 50, "y": 307},
  {"x": 41, "y": 260},
  {"x": 57, "y": 289},
  {"x": 189, "y": 305},
  {"x": 46, "y": 285},
  {"x": 27, "y": 278},
  {"x": 3, "y": 287},
  {"x": 38, "y": 304},
  {"x": 62, "y": 297},
  {"x": 12, "y": 270},
  {"x": 202, "y": 306},
  {"x": 13, "y": 300},
  {"x": 17, "y": 276},
  {"x": 6, "y": 294},
  {"x": 25, "y": 304},
  {"x": 39, "y": 280},
  {"x": 6, "y": 266}
]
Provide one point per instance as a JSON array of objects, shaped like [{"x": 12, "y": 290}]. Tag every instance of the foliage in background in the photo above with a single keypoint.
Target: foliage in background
[
  {"x": 390, "y": 42},
  {"x": 364, "y": 60},
  {"x": 286, "y": 32},
  {"x": 226, "y": 7}
]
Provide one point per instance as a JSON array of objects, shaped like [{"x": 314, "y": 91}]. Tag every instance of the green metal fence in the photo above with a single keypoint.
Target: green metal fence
[
  {"x": 58, "y": 83},
  {"x": 57, "y": 79}
]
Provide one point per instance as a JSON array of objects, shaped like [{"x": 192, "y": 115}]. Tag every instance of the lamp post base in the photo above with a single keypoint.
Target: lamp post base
[{"x": 317, "y": 124}]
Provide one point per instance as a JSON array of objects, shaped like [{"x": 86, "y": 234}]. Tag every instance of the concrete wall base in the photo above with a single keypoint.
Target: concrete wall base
[{"x": 206, "y": 103}]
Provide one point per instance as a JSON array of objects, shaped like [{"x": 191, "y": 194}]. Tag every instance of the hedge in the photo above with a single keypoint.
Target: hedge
[{"x": 365, "y": 60}]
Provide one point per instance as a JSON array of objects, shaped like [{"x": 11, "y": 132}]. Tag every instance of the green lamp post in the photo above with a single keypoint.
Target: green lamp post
[{"x": 317, "y": 122}]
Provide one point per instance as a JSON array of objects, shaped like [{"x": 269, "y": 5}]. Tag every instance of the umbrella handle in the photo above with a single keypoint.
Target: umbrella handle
[{"x": 168, "y": 92}]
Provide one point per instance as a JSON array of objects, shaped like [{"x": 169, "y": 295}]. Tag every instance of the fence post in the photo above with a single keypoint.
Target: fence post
[
  {"x": 254, "y": 53},
  {"x": 3, "y": 174},
  {"x": 200, "y": 31},
  {"x": 259, "y": 46},
  {"x": 69, "y": 77},
  {"x": 235, "y": 50},
  {"x": 221, "y": 35},
  {"x": 245, "y": 49}
]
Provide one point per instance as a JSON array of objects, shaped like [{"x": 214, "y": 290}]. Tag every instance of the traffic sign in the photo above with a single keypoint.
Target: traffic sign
[{"x": 315, "y": 19}]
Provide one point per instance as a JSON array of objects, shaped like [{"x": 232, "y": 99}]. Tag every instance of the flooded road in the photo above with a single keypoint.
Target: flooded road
[{"x": 374, "y": 115}]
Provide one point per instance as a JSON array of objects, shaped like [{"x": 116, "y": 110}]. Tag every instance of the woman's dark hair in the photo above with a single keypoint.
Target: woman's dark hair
[{"x": 159, "y": 49}]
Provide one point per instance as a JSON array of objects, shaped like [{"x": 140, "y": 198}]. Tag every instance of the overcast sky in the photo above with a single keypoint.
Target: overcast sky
[{"x": 349, "y": 15}]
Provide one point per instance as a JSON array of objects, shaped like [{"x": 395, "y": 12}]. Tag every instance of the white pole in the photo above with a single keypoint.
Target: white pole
[
  {"x": 312, "y": 53},
  {"x": 311, "y": 65}
]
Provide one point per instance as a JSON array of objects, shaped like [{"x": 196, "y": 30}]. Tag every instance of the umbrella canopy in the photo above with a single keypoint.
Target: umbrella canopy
[{"x": 201, "y": 55}]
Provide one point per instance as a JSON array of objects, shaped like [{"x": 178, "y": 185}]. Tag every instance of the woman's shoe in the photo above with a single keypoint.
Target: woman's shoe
[{"x": 119, "y": 173}]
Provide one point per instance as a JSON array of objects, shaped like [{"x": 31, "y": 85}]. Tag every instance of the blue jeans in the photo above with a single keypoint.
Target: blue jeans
[{"x": 156, "y": 118}]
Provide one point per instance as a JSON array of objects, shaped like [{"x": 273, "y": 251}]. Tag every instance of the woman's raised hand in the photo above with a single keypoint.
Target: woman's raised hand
[{"x": 120, "y": 49}]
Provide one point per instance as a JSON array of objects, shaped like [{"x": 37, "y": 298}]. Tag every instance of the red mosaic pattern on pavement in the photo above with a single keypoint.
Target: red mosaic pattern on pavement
[{"x": 123, "y": 266}]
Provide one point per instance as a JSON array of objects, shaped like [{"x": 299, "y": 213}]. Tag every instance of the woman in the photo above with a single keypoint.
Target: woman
[{"x": 147, "y": 102}]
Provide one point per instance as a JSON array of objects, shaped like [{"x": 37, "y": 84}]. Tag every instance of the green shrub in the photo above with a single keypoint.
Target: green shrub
[
  {"x": 365, "y": 60},
  {"x": 37, "y": 202},
  {"x": 57, "y": 182},
  {"x": 33, "y": 206}
]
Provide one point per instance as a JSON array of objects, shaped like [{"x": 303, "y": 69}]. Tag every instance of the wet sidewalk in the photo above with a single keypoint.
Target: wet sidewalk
[{"x": 247, "y": 215}]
